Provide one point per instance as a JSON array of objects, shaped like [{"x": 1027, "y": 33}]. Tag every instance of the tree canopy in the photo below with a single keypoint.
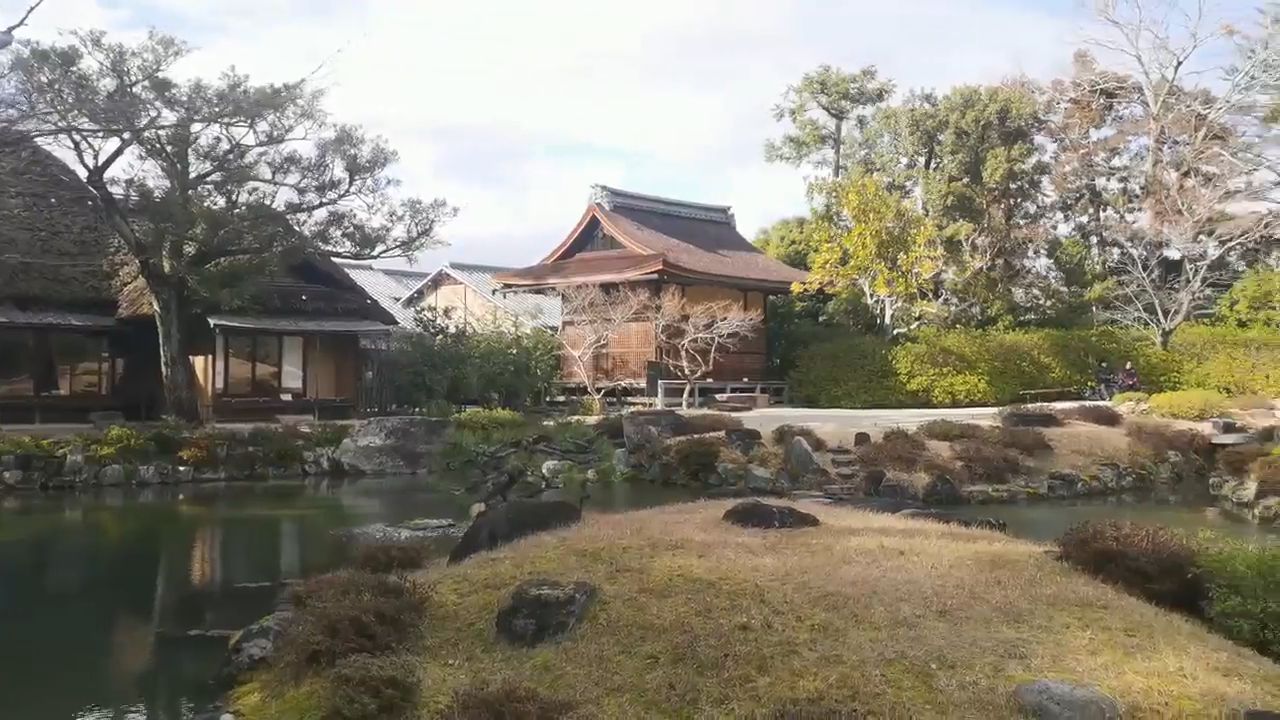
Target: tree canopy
[{"x": 824, "y": 110}]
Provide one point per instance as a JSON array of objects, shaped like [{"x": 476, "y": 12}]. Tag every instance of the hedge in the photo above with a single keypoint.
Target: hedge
[{"x": 990, "y": 367}]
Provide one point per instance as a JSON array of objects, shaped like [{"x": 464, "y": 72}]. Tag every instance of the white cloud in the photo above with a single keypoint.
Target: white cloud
[{"x": 510, "y": 109}]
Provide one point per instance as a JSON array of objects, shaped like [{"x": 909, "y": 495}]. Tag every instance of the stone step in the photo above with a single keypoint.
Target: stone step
[
  {"x": 841, "y": 490},
  {"x": 846, "y": 473},
  {"x": 841, "y": 461}
]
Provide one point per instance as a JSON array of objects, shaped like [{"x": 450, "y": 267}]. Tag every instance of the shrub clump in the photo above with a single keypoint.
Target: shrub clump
[
  {"x": 610, "y": 426},
  {"x": 950, "y": 430},
  {"x": 391, "y": 557},
  {"x": 1093, "y": 414},
  {"x": 1157, "y": 439},
  {"x": 1266, "y": 472},
  {"x": 1188, "y": 404},
  {"x": 986, "y": 462},
  {"x": 488, "y": 419},
  {"x": 122, "y": 444},
  {"x": 1151, "y": 562},
  {"x": 1029, "y": 416},
  {"x": 1244, "y": 593},
  {"x": 897, "y": 449},
  {"x": 783, "y": 434},
  {"x": 349, "y": 613},
  {"x": 1027, "y": 441},
  {"x": 373, "y": 687},
  {"x": 695, "y": 458},
  {"x": 506, "y": 701},
  {"x": 329, "y": 435},
  {"x": 1237, "y": 459}
]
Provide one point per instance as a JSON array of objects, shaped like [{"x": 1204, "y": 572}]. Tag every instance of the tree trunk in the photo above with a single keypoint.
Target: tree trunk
[
  {"x": 835, "y": 151},
  {"x": 1164, "y": 336},
  {"x": 176, "y": 373},
  {"x": 688, "y": 392}
]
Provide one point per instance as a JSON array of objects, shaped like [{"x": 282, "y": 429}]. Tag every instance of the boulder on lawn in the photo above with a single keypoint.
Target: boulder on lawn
[
  {"x": 1057, "y": 700},
  {"x": 392, "y": 445},
  {"x": 541, "y": 610},
  {"x": 252, "y": 647},
  {"x": 756, "y": 514},
  {"x": 510, "y": 521}
]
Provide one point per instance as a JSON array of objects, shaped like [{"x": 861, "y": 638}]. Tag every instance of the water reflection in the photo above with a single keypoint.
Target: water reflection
[{"x": 117, "y": 605}]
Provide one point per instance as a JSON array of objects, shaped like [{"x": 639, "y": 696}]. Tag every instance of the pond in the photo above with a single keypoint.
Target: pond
[{"x": 117, "y": 605}]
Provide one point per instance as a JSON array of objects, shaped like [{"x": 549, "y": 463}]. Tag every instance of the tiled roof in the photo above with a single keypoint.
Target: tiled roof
[
  {"x": 691, "y": 240},
  {"x": 388, "y": 286},
  {"x": 391, "y": 286}
]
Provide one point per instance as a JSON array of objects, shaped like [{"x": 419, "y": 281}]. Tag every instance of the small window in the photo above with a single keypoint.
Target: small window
[{"x": 260, "y": 365}]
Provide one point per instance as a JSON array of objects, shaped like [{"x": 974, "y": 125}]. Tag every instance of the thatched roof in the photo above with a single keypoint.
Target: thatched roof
[
  {"x": 55, "y": 249},
  {"x": 658, "y": 236}
]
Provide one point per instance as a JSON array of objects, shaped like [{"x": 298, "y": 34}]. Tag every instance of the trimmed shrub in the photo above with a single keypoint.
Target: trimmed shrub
[
  {"x": 122, "y": 444},
  {"x": 1029, "y": 416},
  {"x": 1151, "y": 562},
  {"x": 26, "y": 445},
  {"x": 950, "y": 430},
  {"x": 991, "y": 367},
  {"x": 349, "y": 613},
  {"x": 783, "y": 434},
  {"x": 766, "y": 457},
  {"x": 391, "y": 557},
  {"x": 1155, "y": 439},
  {"x": 695, "y": 458},
  {"x": 1244, "y": 593},
  {"x": 506, "y": 701},
  {"x": 1188, "y": 404},
  {"x": 1028, "y": 441},
  {"x": 1092, "y": 414},
  {"x": 1132, "y": 396},
  {"x": 700, "y": 423},
  {"x": 488, "y": 419},
  {"x": 986, "y": 462},
  {"x": 373, "y": 687},
  {"x": 897, "y": 449},
  {"x": 1266, "y": 472},
  {"x": 1236, "y": 459}
]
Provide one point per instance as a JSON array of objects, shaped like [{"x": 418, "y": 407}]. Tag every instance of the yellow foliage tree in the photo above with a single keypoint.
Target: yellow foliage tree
[{"x": 868, "y": 240}]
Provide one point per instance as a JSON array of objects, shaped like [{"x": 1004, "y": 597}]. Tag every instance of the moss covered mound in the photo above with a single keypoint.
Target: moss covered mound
[{"x": 891, "y": 616}]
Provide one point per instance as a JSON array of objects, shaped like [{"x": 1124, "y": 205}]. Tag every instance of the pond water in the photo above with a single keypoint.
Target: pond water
[{"x": 103, "y": 598}]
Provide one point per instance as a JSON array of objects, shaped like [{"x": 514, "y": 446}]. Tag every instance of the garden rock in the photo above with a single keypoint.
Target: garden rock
[
  {"x": 252, "y": 647},
  {"x": 510, "y": 521},
  {"x": 541, "y": 610},
  {"x": 111, "y": 475},
  {"x": 392, "y": 445},
  {"x": 756, "y": 514},
  {"x": 802, "y": 463},
  {"x": 183, "y": 473},
  {"x": 897, "y": 489},
  {"x": 872, "y": 480},
  {"x": 621, "y": 460},
  {"x": 642, "y": 430},
  {"x": 758, "y": 479},
  {"x": 1057, "y": 700},
  {"x": 941, "y": 490},
  {"x": 103, "y": 419},
  {"x": 744, "y": 440},
  {"x": 556, "y": 469}
]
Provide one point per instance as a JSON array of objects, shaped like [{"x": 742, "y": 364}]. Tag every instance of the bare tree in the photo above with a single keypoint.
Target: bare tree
[
  {"x": 1204, "y": 177},
  {"x": 693, "y": 335},
  {"x": 593, "y": 317},
  {"x": 6, "y": 35}
]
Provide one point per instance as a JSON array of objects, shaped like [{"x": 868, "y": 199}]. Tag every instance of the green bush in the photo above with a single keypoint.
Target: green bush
[
  {"x": 1149, "y": 561},
  {"x": 329, "y": 435},
  {"x": 1135, "y": 396},
  {"x": 1244, "y": 593},
  {"x": 488, "y": 419},
  {"x": 1188, "y": 404},
  {"x": 695, "y": 458},
  {"x": 122, "y": 444},
  {"x": 374, "y": 687},
  {"x": 26, "y": 445},
  {"x": 991, "y": 367}
]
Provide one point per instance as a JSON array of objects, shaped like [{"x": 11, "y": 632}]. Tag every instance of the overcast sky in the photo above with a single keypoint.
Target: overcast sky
[{"x": 511, "y": 109}]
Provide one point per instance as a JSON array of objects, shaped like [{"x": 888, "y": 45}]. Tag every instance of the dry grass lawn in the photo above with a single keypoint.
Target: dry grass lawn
[{"x": 895, "y": 617}]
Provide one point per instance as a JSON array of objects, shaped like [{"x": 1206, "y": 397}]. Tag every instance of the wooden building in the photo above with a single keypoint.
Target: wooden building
[
  {"x": 77, "y": 333},
  {"x": 626, "y": 238}
]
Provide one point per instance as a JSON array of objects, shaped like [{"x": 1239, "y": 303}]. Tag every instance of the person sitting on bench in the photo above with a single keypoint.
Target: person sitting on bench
[{"x": 1129, "y": 381}]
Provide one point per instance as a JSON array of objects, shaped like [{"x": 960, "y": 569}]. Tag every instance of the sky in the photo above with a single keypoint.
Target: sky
[{"x": 512, "y": 109}]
